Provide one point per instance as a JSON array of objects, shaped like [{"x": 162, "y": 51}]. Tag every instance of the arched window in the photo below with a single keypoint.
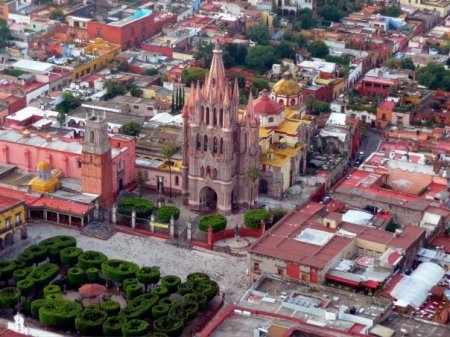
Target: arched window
[
  {"x": 215, "y": 145},
  {"x": 270, "y": 119},
  {"x": 221, "y": 146},
  {"x": 205, "y": 143},
  {"x": 202, "y": 114},
  {"x": 202, "y": 171},
  {"x": 92, "y": 137},
  {"x": 214, "y": 117},
  {"x": 208, "y": 170},
  {"x": 214, "y": 175},
  {"x": 207, "y": 116},
  {"x": 199, "y": 143},
  {"x": 280, "y": 101},
  {"x": 221, "y": 118},
  {"x": 292, "y": 101},
  {"x": 177, "y": 180}
]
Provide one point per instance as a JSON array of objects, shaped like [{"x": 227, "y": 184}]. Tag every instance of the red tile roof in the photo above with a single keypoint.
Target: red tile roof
[
  {"x": 7, "y": 202},
  {"x": 264, "y": 105}
]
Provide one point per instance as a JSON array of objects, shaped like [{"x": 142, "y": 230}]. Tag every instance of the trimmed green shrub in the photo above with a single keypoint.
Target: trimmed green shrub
[
  {"x": 69, "y": 255},
  {"x": 160, "y": 310},
  {"x": 53, "y": 297},
  {"x": 19, "y": 264},
  {"x": 35, "y": 306},
  {"x": 128, "y": 281},
  {"x": 253, "y": 218},
  {"x": 216, "y": 221},
  {"x": 93, "y": 306},
  {"x": 52, "y": 289},
  {"x": 198, "y": 277},
  {"x": 208, "y": 288},
  {"x": 168, "y": 326},
  {"x": 119, "y": 270},
  {"x": 171, "y": 282},
  {"x": 112, "y": 308},
  {"x": 277, "y": 215},
  {"x": 26, "y": 258},
  {"x": 75, "y": 276},
  {"x": 39, "y": 253},
  {"x": 166, "y": 212},
  {"x": 140, "y": 307},
  {"x": 170, "y": 301},
  {"x": 20, "y": 274},
  {"x": 92, "y": 274},
  {"x": 191, "y": 308},
  {"x": 133, "y": 290},
  {"x": 178, "y": 313},
  {"x": 54, "y": 254},
  {"x": 143, "y": 207},
  {"x": 9, "y": 297},
  {"x": 148, "y": 275},
  {"x": 61, "y": 241},
  {"x": 135, "y": 327},
  {"x": 59, "y": 313},
  {"x": 90, "y": 322},
  {"x": 161, "y": 291},
  {"x": 185, "y": 288},
  {"x": 198, "y": 298},
  {"x": 43, "y": 274},
  {"x": 113, "y": 325},
  {"x": 6, "y": 269},
  {"x": 25, "y": 286},
  {"x": 91, "y": 259}
]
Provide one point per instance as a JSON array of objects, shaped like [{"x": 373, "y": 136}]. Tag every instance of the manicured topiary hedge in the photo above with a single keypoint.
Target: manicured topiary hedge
[
  {"x": 133, "y": 290},
  {"x": 197, "y": 277},
  {"x": 69, "y": 255},
  {"x": 39, "y": 253},
  {"x": 207, "y": 288},
  {"x": 43, "y": 274},
  {"x": 171, "y": 282},
  {"x": 52, "y": 289},
  {"x": 6, "y": 269},
  {"x": 198, "y": 298},
  {"x": 216, "y": 221},
  {"x": 9, "y": 297},
  {"x": 128, "y": 281},
  {"x": 161, "y": 291},
  {"x": 59, "y": 313},
  {"x": 178, "y": 313},
  {"x": 54, "y": 254},
  {"x": 26, "y": 258},
  {"x": 92, "y": 275},
  {"x": 185, "y": 288},
  {"x": 119, "y": 270},
  {"x": 170, "y": 301},
  {"x": 253, "y": 218},
  {"x": 143, "y": 207},
  {"x": 168, "y": 326},
  {"x": 75, "y": 276},
  {"x": 91, "y": 259},
  {"x": 140, "y": 307},
  {"x": 112, "y": 308},
  {"x": 25, "y": 286},
  {"x": 191, "y": 308},
  {"x": 135, "y": 327},
  {"x": 113, "y": 325},
  {"x": 90, "y": 322},
  {"x": 166, "y": 212},
  {"x": 19, "y": 264},
  {"x": 148, "y": 275},
  {"x": 35, "y": 306},
  {"x": 160, "y": 310},
  {"x": 53, "y": 297},
  {"x": 60, "y": 241}
]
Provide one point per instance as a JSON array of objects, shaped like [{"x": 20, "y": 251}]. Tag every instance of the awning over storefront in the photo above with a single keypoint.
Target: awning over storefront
[{"x": 342, "y": 280}]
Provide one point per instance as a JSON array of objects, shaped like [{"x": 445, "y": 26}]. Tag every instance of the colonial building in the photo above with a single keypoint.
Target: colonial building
[{"x": 219, "y": 147}]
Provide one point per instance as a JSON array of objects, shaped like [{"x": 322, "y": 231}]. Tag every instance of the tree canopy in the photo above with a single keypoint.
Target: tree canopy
[
  {"x": 204, "y": 52},
  {"x": 434, "y": 76},
  {"x": 261, "y": 58},
  {"x": 131, "y": 129},
  {"x": 135, "y": 91},
  {"x": 5, "y": 34},
  {"x": 114, "y": 89},
  {"x": 259, "y": 33},
  {"x": 332, "y": 13},
  {"x": 193, "y": 74},
  {"x": 70, "y": 102},
  {"x": 318, "y": 49}
]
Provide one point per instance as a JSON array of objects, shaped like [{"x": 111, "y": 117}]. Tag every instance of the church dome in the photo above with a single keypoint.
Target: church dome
[
  {"x": 43, "y": 165},
  {"x": 287, "y": 86},
  {"x": 264, "y": 105}
]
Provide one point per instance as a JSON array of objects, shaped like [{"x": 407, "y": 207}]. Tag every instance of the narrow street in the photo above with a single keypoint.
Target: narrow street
[{"x": 370, "y": 142}]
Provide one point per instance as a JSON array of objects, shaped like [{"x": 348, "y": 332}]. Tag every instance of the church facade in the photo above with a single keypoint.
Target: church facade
[{"x": 220, "y": 146}]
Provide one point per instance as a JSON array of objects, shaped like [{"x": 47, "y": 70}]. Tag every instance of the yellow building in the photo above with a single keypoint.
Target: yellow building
[
  {"x": 95, "y": 56},
  {"x": 12, "y": 218}
]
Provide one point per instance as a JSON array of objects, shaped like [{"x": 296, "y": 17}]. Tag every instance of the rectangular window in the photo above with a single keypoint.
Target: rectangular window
[
  {"x": 280, "y": 271},
  {"x": 8, "y": 223},
  {"x": 135, "y": 106},
  {"x": 18, "y": 221},
  {"x": 256, "y": 267}
]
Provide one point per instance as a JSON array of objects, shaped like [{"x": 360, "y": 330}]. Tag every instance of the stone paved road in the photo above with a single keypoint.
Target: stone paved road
[{"x": 228, "y": 271}]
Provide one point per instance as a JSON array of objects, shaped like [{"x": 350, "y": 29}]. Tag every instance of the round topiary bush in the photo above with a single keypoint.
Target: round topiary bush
[
  {"x": 19, "y": 264},
  {"x": 113, "y": 325},
  {"x": 161, "y": 291},
  {"x": 198, "y": 298},
  {"x": 25, "y": 286},
  {"x": 160, "y": 310},
  {"x": 54, "y": 254},
  {"x": 35, "y": 306},
  {"x": 92, "y": 275},
  {"x": 9, "y": 297},
  {"x": 143, "y": 207},
  {"x": 53, "y": 297},
  {"x": 26, "y": 258},
  {"x": 93, "y": 306},
  {"x": 112, "y": 308},
  {"x": 60, "y": 241},
  {"x": 20, "y": 274},
  {"x": 52, "y": 289},
  {"x": 168, "y": 326},
  {"x": 171, "y": 282},
  {"x": 43, "y": 274},
  {"x": 128, "y": 281},
  {"x": 166, "y": 212},
  {"x": 216, "y": 221},
  {"x": 91, "y": 259},
  {"x": 253, "y": 218},
  {"x": 185, "y": 288},
  {"x": 39, "y": 253},
  {"x": 6, "y": 269},
  {"x": 191, "y": 308},
  {"x": 59, "y": 313},
  {"x": 119, "y": 270},
  {"x": 90, "y": 322},
  {"x": 148, "y": 275},
  {"x": 197, "y": 277},
  {"x": 75, "y": 276},
  {"x": 207, "y": 288},
  {"x": 178, "y": 313},
  {"x": 135, "y": 327},
  {"x": 140, "y": 307},
  {"x": 133, "y": 290},
  {"x": 69, "y": 255},
  {"x": 170, "y": 301}
]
